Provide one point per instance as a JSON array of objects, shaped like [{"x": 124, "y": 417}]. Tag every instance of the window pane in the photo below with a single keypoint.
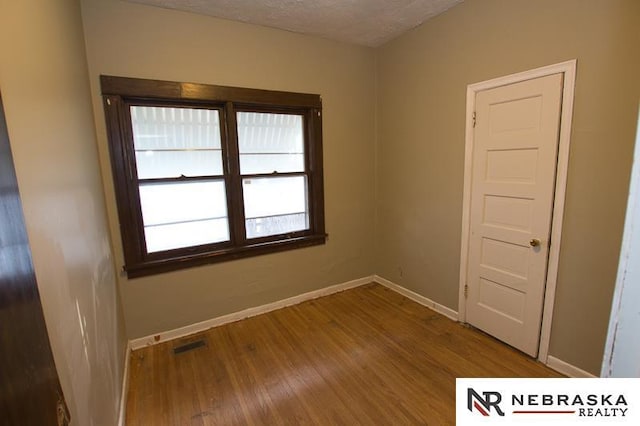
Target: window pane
[
  {"x": 275, "y": 205},
  {"x": 170, "y": 142},
  {"x": 275, "y": 225},
  {"x": 270, "y": 142},
  {"x": 184, "y": 214},
  {"x": 157, "y": 163},
  {"x": 187, "y": 234}
]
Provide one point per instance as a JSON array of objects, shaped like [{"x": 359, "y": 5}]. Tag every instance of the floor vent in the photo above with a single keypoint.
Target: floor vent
[{"x": 188, "y": 347}]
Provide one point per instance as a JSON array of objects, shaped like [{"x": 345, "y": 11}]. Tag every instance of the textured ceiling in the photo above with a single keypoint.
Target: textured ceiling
[{"x": 364, "y": 22}]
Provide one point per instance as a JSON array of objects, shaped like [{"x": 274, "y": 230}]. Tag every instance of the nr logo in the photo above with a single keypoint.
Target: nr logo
[{"x": 485, "y": 403}]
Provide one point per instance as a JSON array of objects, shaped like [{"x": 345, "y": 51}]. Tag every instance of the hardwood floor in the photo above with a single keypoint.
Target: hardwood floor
[{"x": 364, "y": 356}]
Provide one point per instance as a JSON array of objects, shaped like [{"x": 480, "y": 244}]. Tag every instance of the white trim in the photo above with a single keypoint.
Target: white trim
[
  {"x": 567, "y": 369},
  {"x": 552, "y": 362},
  {"x": 247, "y": 313},
  {"x": 124, "y": 391},
  {"x": 616, "y": 361},
  {"x": 568, "y": 69},
  {"x": 620, "y": 354},
  {"x": 466, "y": 202},
  {"x": 424, "y": 301}
]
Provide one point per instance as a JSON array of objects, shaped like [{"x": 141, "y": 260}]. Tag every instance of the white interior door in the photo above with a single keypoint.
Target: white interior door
[{"x": 512, "y": 190}]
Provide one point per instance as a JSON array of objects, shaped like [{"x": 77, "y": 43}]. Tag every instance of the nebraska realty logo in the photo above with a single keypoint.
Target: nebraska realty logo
[
  {"x": 484, "y": 404},
  {"x": 554, "y": 401}
]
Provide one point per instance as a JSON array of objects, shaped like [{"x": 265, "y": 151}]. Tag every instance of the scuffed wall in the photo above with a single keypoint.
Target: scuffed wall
[{"x": 44, "y": 83}]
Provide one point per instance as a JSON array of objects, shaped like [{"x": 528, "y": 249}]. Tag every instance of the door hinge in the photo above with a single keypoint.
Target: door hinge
[
  {"x": 466, "y": 290},
  {"x": 64, "y": 419},
  {"x": 474, "y": 119}
]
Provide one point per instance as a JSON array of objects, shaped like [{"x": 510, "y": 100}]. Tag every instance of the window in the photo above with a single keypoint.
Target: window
[{"x": 208, "y": 173}]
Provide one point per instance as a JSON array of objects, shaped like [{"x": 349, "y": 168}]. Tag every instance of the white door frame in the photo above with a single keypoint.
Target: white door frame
[{"x": 568, "y": 69}]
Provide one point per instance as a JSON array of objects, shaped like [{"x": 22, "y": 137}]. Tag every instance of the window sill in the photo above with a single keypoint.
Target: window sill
[{"x": 154, "y": 267}]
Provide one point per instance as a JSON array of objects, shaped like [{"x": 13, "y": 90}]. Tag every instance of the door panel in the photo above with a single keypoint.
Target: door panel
[
  {"x": 29, "y": 387},
  {"x": 513, "y": 179}
]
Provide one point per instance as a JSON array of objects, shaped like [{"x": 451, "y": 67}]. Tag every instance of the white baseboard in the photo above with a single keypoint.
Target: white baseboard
[
  {"x": 247, "y": 313},
  {"x": 424, "y": 301},
  {"x": 567, "y": 369},
  {"x": 552, "y": 362},
  {"x": 124, "y": 391}
]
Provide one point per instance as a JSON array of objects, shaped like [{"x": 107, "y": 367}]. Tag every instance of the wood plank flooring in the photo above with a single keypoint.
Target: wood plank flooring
[{"x": 366, "y": 356}]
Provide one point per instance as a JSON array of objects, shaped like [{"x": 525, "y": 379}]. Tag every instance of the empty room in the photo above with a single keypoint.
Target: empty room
[{"x": 311, "y": 212}]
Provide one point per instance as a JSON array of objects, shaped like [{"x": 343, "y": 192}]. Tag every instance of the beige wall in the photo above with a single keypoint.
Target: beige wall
[
  {"x": 133, "y": 40},
  {"x": 422, "y": 78},
  {"x": 44, "y": 84},
  {"x": 421, "y": 81}
]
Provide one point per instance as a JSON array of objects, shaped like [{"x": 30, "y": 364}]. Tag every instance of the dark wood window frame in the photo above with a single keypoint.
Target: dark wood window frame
[{"x": 119, "y": 93}]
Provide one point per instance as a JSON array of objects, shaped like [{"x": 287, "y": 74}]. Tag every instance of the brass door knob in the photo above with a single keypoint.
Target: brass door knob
[{"x": 534, "y": 242}]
